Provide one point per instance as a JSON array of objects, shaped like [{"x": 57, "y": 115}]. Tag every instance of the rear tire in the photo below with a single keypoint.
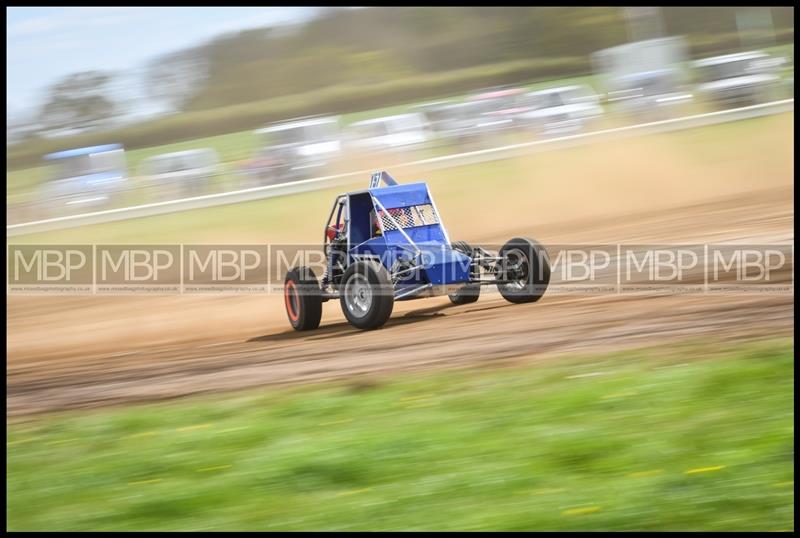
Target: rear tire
[
  {"x": 303, "y": 299},
  {"x": 471, "y": 292},
  {"x": 526, "y": 260},
  {"x": 367, "y": 295}
]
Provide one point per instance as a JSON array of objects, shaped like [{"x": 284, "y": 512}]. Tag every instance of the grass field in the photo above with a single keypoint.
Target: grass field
[
  {"x": 692, "y": 164},
  {"x": 697, "y": 436}
]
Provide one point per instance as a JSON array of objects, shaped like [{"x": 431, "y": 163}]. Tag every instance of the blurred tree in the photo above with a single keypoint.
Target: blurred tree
[
  {"x": 374, "y": 66},
  {"x": 19, "y": 128},
  {"x": 78, "y": 103},
  {"x": 175, "y": 78},
  {"x": 345, "y": 60},
  {"x": 380, "y": 44}
]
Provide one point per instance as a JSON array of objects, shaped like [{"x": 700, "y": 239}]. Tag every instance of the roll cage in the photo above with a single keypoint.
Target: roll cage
[
  {"x": 361, "y": 226},
  {"x": 411, "y": 243}
]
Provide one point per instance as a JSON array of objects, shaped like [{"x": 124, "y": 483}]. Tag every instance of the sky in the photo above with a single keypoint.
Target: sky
[{"x": 44, "y": 44}]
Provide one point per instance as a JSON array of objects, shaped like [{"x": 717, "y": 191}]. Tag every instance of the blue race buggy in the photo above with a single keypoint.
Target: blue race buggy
[{"x": 387, "y": 243}]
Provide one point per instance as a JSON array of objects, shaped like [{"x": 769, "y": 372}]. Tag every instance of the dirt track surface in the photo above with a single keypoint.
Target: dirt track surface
[{"x": 90, "y": 351}]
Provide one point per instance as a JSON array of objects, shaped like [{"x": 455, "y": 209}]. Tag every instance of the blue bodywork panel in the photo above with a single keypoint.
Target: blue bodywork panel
[
  {"x": 428, "y": 247},
  {"x": 402, "y": 195}
]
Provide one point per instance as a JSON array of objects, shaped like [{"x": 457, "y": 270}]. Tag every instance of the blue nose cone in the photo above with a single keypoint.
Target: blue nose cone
[{"x": 443, "y": 265}]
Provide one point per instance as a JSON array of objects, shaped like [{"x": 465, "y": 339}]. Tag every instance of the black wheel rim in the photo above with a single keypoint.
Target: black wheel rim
[{"x": 517, "y": 270}]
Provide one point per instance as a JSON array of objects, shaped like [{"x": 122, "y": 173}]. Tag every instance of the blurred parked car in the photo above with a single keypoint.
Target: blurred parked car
[
  {"x": 652, "y": 95},
  {"x": 84, "y": 179},
  {"x": 788, "y": 82},
  {"x": 390, "y": 133},
  {"x": 431, "y": 111},
  {"x": 501, "y": 106},
  {"x": 744, "y": 78},
  {"x": 560, "y": 110},
  {"x": 644, "y": 80},
  {"x": 478, "y": 120},
  {"x": 465, "y": 124},
  {"x": 440, "y": 116},
  {"x": 182, "y": 173},
  {"x": 294, "y": 150}
]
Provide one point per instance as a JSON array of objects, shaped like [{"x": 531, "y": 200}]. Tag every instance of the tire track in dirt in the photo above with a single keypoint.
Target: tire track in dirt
[{"x": 82, "y": 352}]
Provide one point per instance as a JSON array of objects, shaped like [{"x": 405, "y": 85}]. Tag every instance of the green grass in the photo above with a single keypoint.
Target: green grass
[
  {"x": 691, "y": 437},
  {"x": 458, "y": 190}
]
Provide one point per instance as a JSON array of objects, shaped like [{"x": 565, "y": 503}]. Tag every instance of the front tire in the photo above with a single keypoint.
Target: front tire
[
  {"x": 527, "y": 266},
  {"x": 303, "y": 299},
  {"x": 367, "y": 295}
]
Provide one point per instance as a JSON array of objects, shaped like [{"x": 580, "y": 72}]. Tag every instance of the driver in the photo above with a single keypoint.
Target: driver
[
  {"x": 376, "y": 226},
  {"x": 396, "y": 213}
]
